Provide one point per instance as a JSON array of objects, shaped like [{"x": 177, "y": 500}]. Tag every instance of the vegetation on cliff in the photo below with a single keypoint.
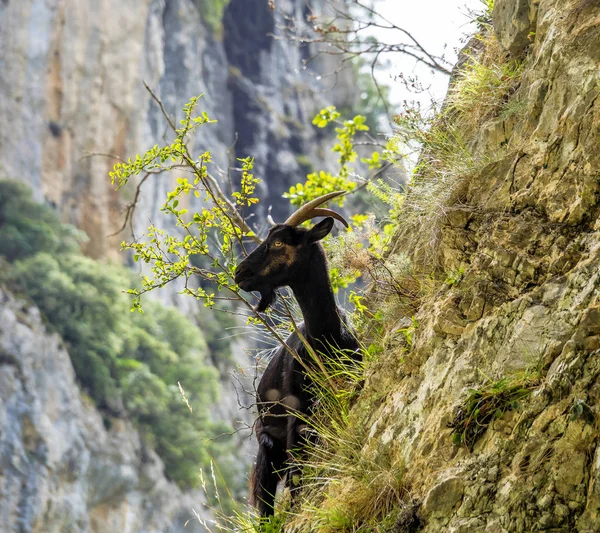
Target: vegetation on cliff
[
  {"x": 476, "y": 406},
  {"x": 129, "y": 364}
]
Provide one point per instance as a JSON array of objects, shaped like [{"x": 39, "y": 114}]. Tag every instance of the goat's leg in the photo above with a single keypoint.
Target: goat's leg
[
  {"x": 298, "y": 437},
  {"x": 266, "y": 473},
  {"x": 294, "y": 447}
]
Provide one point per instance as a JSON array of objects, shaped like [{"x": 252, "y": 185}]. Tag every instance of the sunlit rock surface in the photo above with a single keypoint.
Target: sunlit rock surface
[{"x": 527, "y": 232}]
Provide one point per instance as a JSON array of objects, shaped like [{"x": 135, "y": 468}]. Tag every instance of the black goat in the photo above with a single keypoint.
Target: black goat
[{"x": 292, "y": 256}]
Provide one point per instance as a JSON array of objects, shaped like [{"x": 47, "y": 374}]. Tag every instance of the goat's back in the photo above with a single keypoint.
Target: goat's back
[{"x": 284, "y": 386}]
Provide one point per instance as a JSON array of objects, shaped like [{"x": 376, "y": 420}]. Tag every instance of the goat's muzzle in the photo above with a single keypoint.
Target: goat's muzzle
[{"x": 242, "y": 276}]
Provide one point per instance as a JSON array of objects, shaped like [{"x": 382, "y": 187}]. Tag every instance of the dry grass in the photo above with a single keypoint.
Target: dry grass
[{"x": 448, "y": 159}]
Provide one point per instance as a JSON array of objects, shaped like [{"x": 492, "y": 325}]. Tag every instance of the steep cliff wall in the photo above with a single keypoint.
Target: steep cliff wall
[
  {"x": 71, "y": 85},
  {"x": 525, "y": 230},
  {"x": 61, "y": 469}
]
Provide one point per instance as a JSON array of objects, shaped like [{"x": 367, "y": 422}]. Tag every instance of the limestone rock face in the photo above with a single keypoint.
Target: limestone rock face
[
  {"x": 71, "y": 85},
  {"x": 527, "y": 234},
  {"x": 61, "y": 469},
  {"x": 514, "y": 22}
]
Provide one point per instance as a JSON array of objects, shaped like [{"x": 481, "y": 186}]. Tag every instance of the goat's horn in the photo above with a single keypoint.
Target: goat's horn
[
  {"x": 270, "y": 218},
  {"x": 306, "y": 211},
  {"x": 323, "y": 212}
]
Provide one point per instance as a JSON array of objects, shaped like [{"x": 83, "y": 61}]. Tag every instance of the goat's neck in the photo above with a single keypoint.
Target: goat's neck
[{"x": 317, "y": 302}]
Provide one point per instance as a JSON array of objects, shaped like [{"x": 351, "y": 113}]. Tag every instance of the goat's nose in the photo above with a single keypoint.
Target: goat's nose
[{"x": 241, "y": 272}]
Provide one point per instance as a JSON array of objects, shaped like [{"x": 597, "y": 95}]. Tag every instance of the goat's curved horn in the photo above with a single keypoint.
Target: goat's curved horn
[
  {"x": 323, "y": 212},
  {"x": 307, "y": 210},
  {"x": 270, "y": 218}
]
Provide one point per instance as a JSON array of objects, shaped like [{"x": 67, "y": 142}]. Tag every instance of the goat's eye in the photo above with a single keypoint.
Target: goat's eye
[{"x": 278, "y": 244}]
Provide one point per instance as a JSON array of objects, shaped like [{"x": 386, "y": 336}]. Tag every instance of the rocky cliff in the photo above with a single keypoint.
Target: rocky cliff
[
  {"x": 71, "y": 85},
  {"x": 61, "y": 468},
  {"x": 486, "y": 413},
  {"x": 523, "y": 231}
]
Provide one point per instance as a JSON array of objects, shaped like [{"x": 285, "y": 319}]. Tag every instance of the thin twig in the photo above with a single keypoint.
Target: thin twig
[
  {"x": 162, "y": 107},
  {"x": 131, "y": 207}
]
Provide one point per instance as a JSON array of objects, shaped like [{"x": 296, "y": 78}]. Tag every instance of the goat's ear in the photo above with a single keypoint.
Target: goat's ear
[{"x": 320, "y": 230}]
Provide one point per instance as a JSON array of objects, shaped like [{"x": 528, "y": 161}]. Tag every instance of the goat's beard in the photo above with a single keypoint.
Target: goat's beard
[{"x": 266, "y": 299}]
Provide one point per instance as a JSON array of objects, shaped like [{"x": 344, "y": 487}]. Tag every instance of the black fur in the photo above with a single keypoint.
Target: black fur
[{"x": 285, "y": 389}]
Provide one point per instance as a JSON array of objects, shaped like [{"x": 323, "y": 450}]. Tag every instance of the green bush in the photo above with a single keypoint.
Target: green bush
[
  {"x": 81, "y": 299},
  {"x": 27, "y": 227},
  {"x": 130, "y": 364}
]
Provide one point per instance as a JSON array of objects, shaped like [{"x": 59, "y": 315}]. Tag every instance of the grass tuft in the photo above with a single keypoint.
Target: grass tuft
[
  {"x": 345, "y": 489},
  {"x": 448, "y": 158},
  {"x": 482, "y": 406},
  {"x": 485, "y": 85}
]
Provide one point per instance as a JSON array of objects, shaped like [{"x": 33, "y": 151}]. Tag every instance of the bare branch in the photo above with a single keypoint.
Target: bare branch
[
  {"x": 162, "y": 107},
  {"x": 131, "y": 207},
  {"x": 348, "y": 35},
  {"x": 101, "y": 154}
]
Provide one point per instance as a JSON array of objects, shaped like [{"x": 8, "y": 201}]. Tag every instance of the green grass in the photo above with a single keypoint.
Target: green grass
[
  {"x": 513, "y": 107},
  {"x": 446, "y": 161},
  {"x": 485, "y": 84},
  {"x": 484, "y": 405}
]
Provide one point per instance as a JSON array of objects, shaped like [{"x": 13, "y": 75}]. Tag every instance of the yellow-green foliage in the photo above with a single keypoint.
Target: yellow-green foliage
[
  {"x": 489, "y": 5},
  {"x": 208, "y": 236},
  {"x": 318, "y": 184},
  {"x": 323, "y": 182}
]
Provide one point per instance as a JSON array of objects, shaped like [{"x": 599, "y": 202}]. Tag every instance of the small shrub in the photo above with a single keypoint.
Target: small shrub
[
  {"x": 513, "y": 107},
  {"x": 482, "y": 406},
  {"x": 27, "y": 227},
  {"x": 445, "y": 163},
  {"x": 447, "y": 159}
]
